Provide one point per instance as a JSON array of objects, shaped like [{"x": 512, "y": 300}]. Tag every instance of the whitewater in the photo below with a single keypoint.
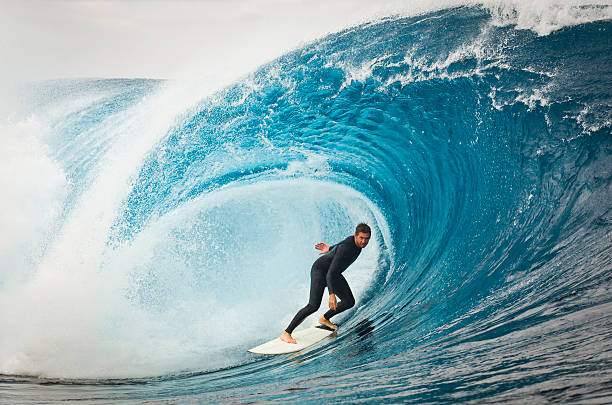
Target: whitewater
[{"x": 154, "y": 230}]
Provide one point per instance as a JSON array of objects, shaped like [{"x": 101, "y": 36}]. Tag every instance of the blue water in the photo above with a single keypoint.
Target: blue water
[{"x": 181, "y": 235}]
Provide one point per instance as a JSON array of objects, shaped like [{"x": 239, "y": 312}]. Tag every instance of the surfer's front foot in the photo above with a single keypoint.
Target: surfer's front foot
[
  {"x": 286, "y": 337},
  {"x": 326, "y": 322}
]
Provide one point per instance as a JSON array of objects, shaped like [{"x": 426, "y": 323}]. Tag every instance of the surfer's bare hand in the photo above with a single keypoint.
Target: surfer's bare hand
[
  {"x": 323, "y": 247},
  {"x": 333, "y": 303}
]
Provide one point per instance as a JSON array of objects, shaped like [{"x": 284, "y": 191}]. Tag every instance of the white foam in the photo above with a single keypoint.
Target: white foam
[
  {"x": 54, "y": 304},
  {"x": 313, "y": 165},
  {"x": 33, "y": 188},
  {"x": 203, "y": 279},
  {"x": 546, "y": 16}
]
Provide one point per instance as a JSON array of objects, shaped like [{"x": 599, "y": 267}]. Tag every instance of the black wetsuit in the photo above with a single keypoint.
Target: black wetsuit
[{"x": 326, "y": 272}]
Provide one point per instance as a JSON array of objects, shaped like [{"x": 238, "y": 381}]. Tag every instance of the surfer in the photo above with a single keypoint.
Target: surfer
[{"x": 326, "y": 272}]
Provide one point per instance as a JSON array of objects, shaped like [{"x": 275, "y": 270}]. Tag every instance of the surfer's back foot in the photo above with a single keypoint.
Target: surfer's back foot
[
  {"x": 326, "y": 322},
  {"x": 286, "y": 337}
]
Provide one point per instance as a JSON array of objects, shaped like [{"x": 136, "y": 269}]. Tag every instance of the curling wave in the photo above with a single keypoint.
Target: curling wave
[{"x": 171, "y": 240}]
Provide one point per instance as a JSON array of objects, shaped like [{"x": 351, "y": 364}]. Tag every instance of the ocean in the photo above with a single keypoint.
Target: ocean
[{"x": 153, "y": 234}]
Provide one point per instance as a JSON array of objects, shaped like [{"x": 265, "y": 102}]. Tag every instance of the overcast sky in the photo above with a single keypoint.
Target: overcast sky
[{"x": 43, "y": 39}]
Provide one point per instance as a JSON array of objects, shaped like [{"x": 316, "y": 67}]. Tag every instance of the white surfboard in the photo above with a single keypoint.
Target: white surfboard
[{"x": 304, "y": 338}]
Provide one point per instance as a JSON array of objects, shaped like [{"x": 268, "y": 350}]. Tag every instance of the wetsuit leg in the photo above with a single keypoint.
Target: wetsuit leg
[
  {"x": 346, "y": 298},
  {"x": 317, "y": 285}
]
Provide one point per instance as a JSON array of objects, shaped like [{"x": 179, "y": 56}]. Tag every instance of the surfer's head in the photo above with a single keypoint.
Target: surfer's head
[{"x": 362, "y": 235}]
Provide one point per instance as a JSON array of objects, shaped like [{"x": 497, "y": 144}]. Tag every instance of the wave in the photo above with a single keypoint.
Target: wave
[{"x": 174, "y": 231}]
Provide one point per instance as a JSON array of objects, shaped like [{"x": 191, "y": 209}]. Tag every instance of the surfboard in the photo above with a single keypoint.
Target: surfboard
[{"x": 304, "y": 338}]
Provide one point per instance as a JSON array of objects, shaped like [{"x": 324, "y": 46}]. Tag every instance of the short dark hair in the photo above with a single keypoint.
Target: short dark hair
[{"x": 363, "y": 228}]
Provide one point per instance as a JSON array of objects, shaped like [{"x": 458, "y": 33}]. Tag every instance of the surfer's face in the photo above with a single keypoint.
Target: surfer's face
[{"x": 362, "y": 239}]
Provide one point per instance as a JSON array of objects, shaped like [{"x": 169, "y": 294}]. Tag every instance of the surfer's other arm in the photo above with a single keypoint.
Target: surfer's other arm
[{"x": 325, "y": 248}]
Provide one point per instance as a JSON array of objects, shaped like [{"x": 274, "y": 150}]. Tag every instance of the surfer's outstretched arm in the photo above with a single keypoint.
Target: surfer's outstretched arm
[{"x": 323, "y": 247}]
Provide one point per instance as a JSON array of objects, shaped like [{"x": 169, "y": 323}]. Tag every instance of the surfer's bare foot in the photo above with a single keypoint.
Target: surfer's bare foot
[
  {"x": 327, "y": 323},
  {"x": 286, "y": 337}
]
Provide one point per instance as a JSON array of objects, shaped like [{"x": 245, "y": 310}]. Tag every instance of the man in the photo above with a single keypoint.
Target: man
[{"x": 327, "y": 272}]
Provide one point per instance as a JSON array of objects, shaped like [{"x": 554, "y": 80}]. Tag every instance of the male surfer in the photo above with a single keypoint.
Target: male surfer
[{"x": 326, "y": 272}]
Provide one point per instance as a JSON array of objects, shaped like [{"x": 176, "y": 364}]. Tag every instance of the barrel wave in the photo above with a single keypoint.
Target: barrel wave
[{"x": 158, "y": 234}]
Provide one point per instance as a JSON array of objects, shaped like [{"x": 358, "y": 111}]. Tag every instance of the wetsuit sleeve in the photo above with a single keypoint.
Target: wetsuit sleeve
[{"x": 335, "y": 267}]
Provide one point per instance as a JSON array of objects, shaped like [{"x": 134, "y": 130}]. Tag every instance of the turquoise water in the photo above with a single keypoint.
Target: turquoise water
[{"x": 171, "y": 234}]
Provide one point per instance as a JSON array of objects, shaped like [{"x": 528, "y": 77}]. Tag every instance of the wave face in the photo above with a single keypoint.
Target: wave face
[{"x": 156, "y": 236}]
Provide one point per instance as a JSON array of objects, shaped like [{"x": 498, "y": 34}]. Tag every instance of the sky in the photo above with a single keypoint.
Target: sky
[
  {"x": 174, "y": 39},
  {"x": 47, "y": 39}
]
